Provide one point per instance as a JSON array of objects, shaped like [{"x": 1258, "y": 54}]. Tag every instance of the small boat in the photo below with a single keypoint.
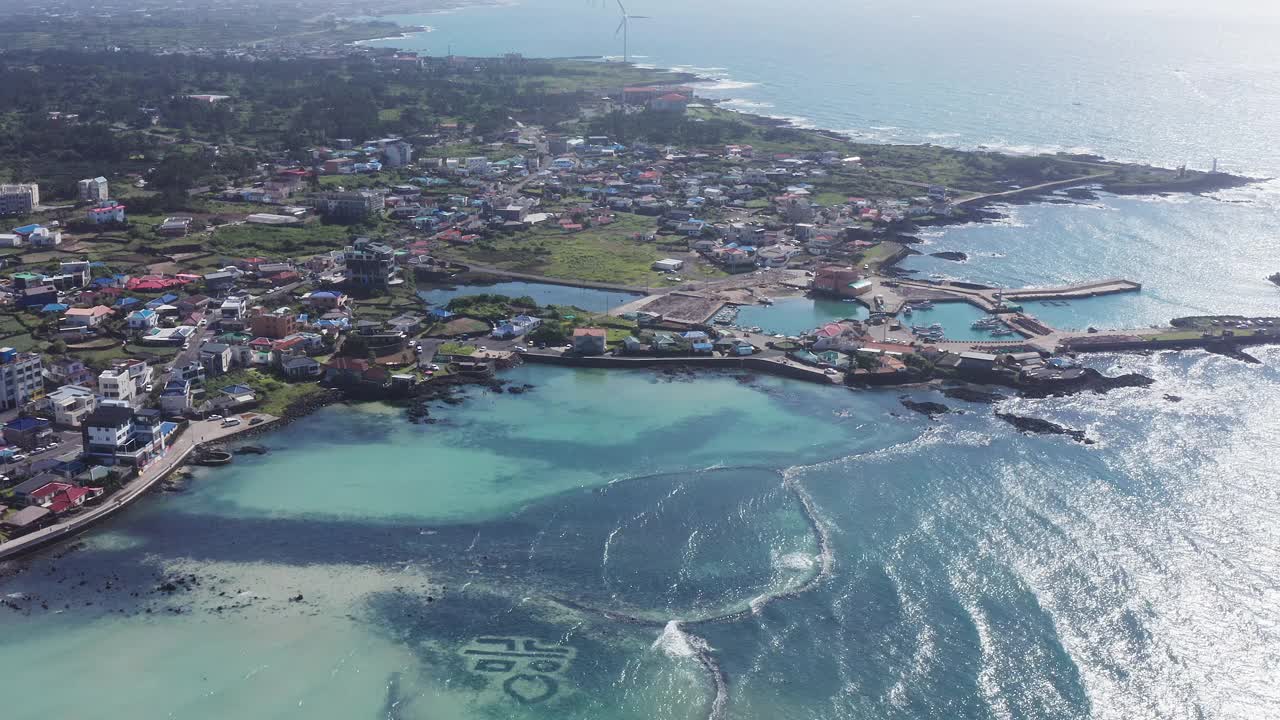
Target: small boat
[
  {"x": 766, "y": 301},
  {"x": 923, "y": 305},
  {"x": 907, "y": 311}
]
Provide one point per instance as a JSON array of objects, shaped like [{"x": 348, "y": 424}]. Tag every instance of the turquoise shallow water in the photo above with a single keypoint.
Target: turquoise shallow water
[
  {"x": 610, "y": 532},
  {"x": 971, "y": 572},
  {"x": 795, "y": 315}
]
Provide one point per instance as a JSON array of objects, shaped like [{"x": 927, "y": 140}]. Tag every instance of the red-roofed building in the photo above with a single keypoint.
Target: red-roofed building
[
  {"x": 47, "y": 494},
  {"x": 106, "y": 213},
  {"x": 671, "y": 102},
  {"x": 345, "y": 370},
  {"x": 589, "y": 341},
  {"x": 72, "y": 497}
]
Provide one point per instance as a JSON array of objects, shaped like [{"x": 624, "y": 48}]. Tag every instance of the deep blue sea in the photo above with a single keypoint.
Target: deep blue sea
[{"x": 635, "y": 545}]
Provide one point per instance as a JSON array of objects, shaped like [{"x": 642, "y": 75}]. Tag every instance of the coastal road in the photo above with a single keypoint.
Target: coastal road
[{"x": 198, "y": 432}]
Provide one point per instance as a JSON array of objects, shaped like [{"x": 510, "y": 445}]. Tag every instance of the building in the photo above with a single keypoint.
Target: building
[
  {"x": 93, "y": 189},
  {"x": 105, "y": 212},
  {"x": 301, "y": 368},
  {"x": 21, "y": 378},
  {"x": 326, "y": 299},
  {"x": 589, "y": 341},
  {"x": 38, "y": 236},
  {"x": 516, "y": 327},
  {"x": 27, "y": 432},
  {"x": 68, "y": 371},
  {"x": 85, "y": 317},
  {"x": 233, "y": 310},
  {"x": 70, "y": 404},
  {"x": 671, "y": 102},
  {"x": 19, "y": 199},
  {"x": 119, "y": 435},
  {"x": 369, "y": 263},
  {"x": 125, "y": 384},
  {"x": 176, "y": 397},
  {"x": 175, "y": 227},
  {"x": 215, "y": 358},
  {"x": 838, "y": 281},
  {"x": 668, "y": 265},
  {"x": 351, "y": 206},
  {"x": 77, "y": 272},
  {"x": 397, "y": 154},
  {"x": 140, "y": 321},
  {"x": 37, "y": 296},
  {"x": 275, "y": 325}
]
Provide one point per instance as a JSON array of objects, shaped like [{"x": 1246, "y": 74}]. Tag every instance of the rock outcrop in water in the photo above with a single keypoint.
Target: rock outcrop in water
[
  {"x": 1233, "y": 351},
  {"x": 950, "y": 255},
  {"x": 1043, "y": 427},
  {"x": 1090, "y": 381},
  {"x": 931, "y": 409},
  {"x": 973, "y": 395}
]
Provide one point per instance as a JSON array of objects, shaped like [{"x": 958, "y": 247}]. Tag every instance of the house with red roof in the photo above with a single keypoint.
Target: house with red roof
[
  {"x": 86, "y": 317},
  {"x": 589, "y": 341}
]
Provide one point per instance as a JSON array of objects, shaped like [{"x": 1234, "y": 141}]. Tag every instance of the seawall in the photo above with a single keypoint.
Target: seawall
[{"x": 759, "y": 364}]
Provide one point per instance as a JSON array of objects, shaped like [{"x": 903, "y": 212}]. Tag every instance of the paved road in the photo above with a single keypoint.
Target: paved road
[{"x": 198, "y": 432}]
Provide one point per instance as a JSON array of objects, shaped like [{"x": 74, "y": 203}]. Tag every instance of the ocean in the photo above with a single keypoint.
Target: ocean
[{"x": 617, "y": 545}]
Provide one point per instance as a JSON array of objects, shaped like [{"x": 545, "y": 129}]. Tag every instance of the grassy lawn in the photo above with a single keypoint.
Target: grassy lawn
[
  {"x": 878, "y": 255},
  {"x": 278, "y": 242},
  {"x": 450, "y": 348},
  {"x": 599, "y": 254},
  {"x": 274, "y": 394}
]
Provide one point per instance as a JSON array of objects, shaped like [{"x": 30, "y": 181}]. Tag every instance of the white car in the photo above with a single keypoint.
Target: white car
[
  {"x": 521, "y": 348},
  {"x": 18, "y": 458},
  {"x": 215, "y": 417}
]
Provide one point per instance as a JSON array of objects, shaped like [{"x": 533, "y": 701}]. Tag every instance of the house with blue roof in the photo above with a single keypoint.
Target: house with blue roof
[{"x": 143, "y": 320}]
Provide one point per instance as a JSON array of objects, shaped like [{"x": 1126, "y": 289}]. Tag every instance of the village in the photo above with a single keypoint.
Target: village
[{"x": 131, "y": 338}]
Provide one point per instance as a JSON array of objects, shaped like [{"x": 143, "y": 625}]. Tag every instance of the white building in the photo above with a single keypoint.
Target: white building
[
  {"x": 668, "y": 265},
  {"x": 234, "y": 308},
  {"x": 397, "y": 154},
  {"x": 21, "y": 378},
  {"x": 70, "y": 404},
  {"x": 93, "y": 189},
  {"x": 125, "y": 384},
  {"x": 105, "y": 212},
  {"x": 477, "y": 165},
  {"x": 19, "y": 199}
]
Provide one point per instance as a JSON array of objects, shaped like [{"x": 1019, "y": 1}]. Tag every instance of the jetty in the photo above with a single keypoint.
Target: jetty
[{"x": 996, "y": 299}]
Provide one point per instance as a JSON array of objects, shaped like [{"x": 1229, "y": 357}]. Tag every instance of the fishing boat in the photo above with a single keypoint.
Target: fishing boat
[
  {"x": 766, "y": 301},
  {"x": 907, "y": 311},
  {"x": 923, "y": 304}
]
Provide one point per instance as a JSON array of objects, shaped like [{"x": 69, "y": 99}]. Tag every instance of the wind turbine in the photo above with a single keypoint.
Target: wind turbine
[{"x": 622, "y": 28}]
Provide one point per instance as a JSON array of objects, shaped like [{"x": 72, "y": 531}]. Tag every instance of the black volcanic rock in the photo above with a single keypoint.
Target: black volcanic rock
[
  {"x": 973, "y": 395},
  {"x": 931, "y": 409},
  {"x": 1043, "y": 427}
]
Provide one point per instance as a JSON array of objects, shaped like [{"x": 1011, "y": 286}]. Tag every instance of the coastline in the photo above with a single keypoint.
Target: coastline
[{"x": 173, "y": 459}]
